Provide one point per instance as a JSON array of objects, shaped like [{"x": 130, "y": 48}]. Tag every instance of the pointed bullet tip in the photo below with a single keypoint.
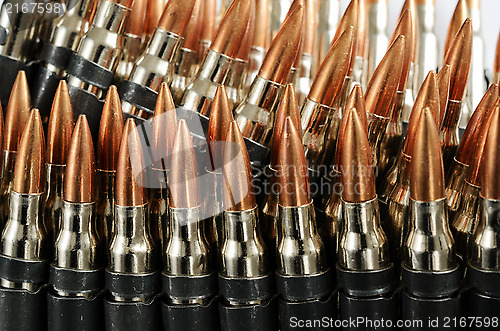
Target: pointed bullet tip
[
  {"x": 17, "y": 112},
  {"x": 176, "y": 16},
  {"x": 164, "y": 126},
  {"x": 110, "y": 131}
]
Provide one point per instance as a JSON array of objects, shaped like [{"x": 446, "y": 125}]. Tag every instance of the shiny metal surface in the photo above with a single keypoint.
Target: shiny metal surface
[
  {"x": 427, "y": 42},
  {"x": 411, "y": 92},
  {"x": 20, "y": 38},
  {"x": 304, "y": 80},
  {"x": 53, "y": 200},
  {"x": 430, "y": 245},
  {"x": 377, "y": 126},
  {"x": 363, "y": 245},
  {"x": 103, "y": 42},
  {"x": 449, "y": 132},
  {"x": 243, "y": 252},
  {"x": 464, "y": 223},
  {"x": 132, "y": 250},
  {"x": 214, "y": 70},
  {"x": 484, "y": 252},
  {"x": 255, "y": 59},
  {"x": 187, "y": 253},
  {"x": 7, "y": 173},
  {"x": 300, "y": 248},
  {"x": 235, "y": 80},
  {"x": 316, "y": 121},
  {"x": 378, "y": 41},
  {"x": 105, "y": 205},
  {"x": 71, "y": 26},
  {"x": 132, "y": 47},
  {"x": 477, "y": 82},
  {"x": 24, "y": 235},
  {"x": 455, "y": 181},
  {"x": 184, "y": 71},
  {"x": 359, "y": 74},
  {"x": 255, "y": 114}
]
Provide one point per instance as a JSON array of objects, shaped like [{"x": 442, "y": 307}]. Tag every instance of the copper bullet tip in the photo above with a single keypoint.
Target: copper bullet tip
[
  {"x": 288, "y": 107},
  {"x": 209, "y": 15},
  {"x": 483, "y": 111},
  {"x": 183, "y": 180},
  {"x": 79, "y": 179},
  {"x": 60, "y": 126},
  {"x": 231, "y": 32},
  {"x": 238, "y": 189},
  {"x": 496, "y": 64},
  {"x": 405, "y": 28},
  {"x": 384, "y": 82},
  {"x": 17, "y": 112},
  {"x": 459, "y": 16},
  {"x": 310, "y": 27},
  {"x": 153, "y": 14},
  {"x": 164, "y": 126},
  {"x": 357, "y": 101},
  {"x": 349, "y": 19},
  {"x": 221, "y": 117},
  {"x": 358, "y": 178},
  {"x": 427, "y": 97},
  {"x": 193, "y": 27},
  {"x": 176, "y": 16},
  {"x": 284, "y": 48},
  {"x": 333, "y": 70},
  {"x": 490, "y": 176},
  {"x": 136, "y": 24},
  {"x": 130, "y": 169},
  {"x": 246, "y": 43},
  {"x": 443, "y": 81},
  {"x": 427, "y": 174},
  {"x": 411, "y": 6},
  {"x": 262, "y": 18},
  {"x": 29, "y": 171},
  {"x": 292, "y": 172},
  {"x": 476, "y": 157},
  {"x": 110, "y": 131},
  {"x": 362, "y": 35},
  {"x": 459, "y": 57}
]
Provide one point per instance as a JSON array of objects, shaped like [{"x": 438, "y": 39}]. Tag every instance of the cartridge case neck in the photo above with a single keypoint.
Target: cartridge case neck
[
  {"x": 111, "y": 16},
  {"x": 486, "y": 240},
  {"x": 77, "y": 245},
  {"x": 300, "y": 249},
  {"x": 430, "y": 245},
  {"x": 132, "y": 248},
  {"x": 215, "y": 67},
  {"x": 243, "y": 251},
  {"x": 363, "y": 244},
  {"x": 164, "y": 44}
]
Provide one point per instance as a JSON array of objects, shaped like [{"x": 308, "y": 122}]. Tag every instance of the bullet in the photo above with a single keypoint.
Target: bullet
[
  {"x": 219, "y": 60},
  {"x": 255, "y": 113},
  {"x": 350, "y": 19},
  {"x": 78, "y": 246},
  {"x": 362, "y": 247},
  {"x": 380, "y": 94},
  {"x": 24, "y": 239},
  {"x": 238, "y": 72},
  {"x": 328, "y": 19},
  {"x": 477, "y": 82},
  {"x": 59, "y": 133},
  {"x": 244, "y": 258},
  {"x": 163, "y": 134},
  {"x": 132, "y": 254},
  {"x": 220, "y": 120},
  {"x": 304, "y": 79},
  {"x": 484, "y": 250},
  {"x": 16, "y": 116},
  {"x": 377, "y": 37},
  {"x": 208, "y": 22},
  {"x": 188, "y": 257},
  {"x": 460, "y": 14},
  {"x": 330, "y": 226},
  {"x": 57, "y": 52},
  {"x": 132, "y": 41},
  {"x": 464, "y": 221},
  {"x": 288, "y": 107},
  {"x": 395, "y": 192},
  {"x": 157, "y": 61},
  {"x": 459, "y": 169},
  {"x": 427, "y": 40},
  {"x": 108, "y": 147},
  {"x": 458, "y": 57},
  {"x": 320, "y": 113},
  {"x": 427, "y": 203},
  {"x": 101, "y": 45},
  {"x": 260, "y": 42},
  {"x": 393, "y": 136},
  {"x": 154, "y": 11},
  {"x": 187, "y": 65},
  {"x": 296, "y": 223}
]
